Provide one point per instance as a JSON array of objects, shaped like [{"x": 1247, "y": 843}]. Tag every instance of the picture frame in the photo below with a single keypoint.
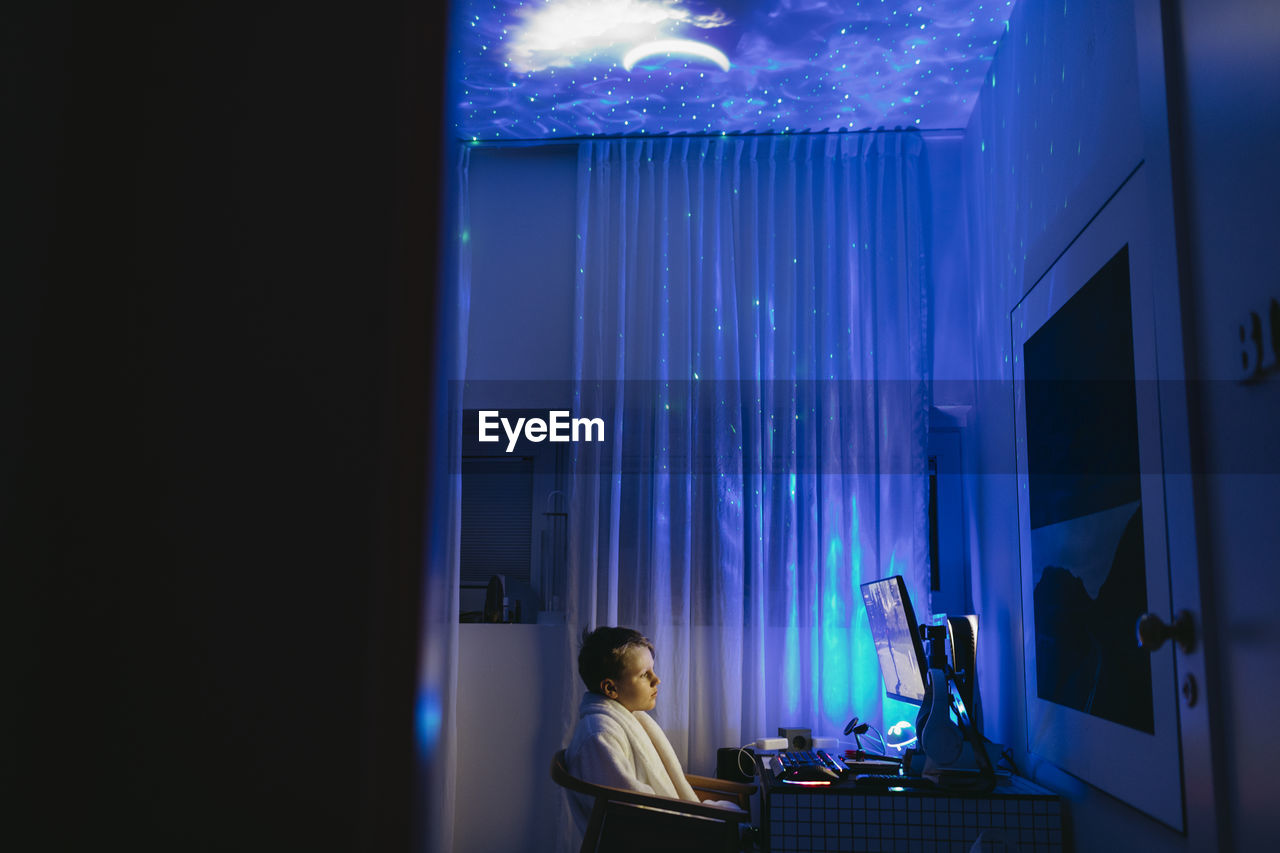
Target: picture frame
[{"x": 1091, "y": 515}]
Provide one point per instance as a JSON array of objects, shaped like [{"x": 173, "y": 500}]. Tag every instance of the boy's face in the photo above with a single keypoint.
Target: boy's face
[{"x": 637, "y": 687}]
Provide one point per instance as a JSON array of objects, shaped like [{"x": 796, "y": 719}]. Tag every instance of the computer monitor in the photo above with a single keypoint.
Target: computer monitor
[{"x": 898, "y": 646}]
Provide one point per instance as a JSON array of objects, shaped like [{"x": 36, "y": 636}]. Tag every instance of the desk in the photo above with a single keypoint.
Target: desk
[{"x": 843, "y": 817}]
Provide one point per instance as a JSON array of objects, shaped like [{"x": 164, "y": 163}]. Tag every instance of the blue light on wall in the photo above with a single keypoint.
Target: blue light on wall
[
  {"x": 548, "y": 69},
  {"x": 429, "y": 719}
]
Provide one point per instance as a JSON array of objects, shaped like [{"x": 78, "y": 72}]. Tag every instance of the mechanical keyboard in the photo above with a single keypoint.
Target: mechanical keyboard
[{"x": 811, "y": 758}]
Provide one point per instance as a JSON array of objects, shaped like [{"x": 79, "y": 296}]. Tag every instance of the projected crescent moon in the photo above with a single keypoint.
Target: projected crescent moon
[{"x": 668, "y": 46}]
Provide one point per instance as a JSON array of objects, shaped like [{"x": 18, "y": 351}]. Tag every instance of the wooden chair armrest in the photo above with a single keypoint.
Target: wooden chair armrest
[
  {"x": 708, "y": 788},
  {"x": 709, "y": 783},
  {"x": 622, "y": 795}
]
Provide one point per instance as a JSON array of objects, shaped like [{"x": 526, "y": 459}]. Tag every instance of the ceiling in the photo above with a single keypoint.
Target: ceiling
[{"x": 546, "y": 69}]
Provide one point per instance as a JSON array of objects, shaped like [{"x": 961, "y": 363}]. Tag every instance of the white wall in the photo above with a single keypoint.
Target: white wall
[
  {"x": 512, "y": 679},
  {"x": 511, "y": 684},
  {"x": 951, "y": 304},
  {"x": 1057, "y": 127},
  {"x": 1056, "y": 130},
  {"x": 1227, "y": 116},
  {"x": 523, "y": 209}
]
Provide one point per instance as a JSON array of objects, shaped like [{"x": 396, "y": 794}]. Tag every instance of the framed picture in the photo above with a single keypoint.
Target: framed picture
[{"x": 1091, "y": 515}]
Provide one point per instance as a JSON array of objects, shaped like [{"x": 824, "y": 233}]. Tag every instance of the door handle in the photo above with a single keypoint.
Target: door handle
[{"x": 1153, "y": 632}]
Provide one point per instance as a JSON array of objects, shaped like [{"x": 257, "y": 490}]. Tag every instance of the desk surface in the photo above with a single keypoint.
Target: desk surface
[{"x": 1006, "y": 786}]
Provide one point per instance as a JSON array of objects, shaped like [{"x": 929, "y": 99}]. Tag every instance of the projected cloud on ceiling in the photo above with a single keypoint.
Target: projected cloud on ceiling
[{"x": 542, "y": 69}]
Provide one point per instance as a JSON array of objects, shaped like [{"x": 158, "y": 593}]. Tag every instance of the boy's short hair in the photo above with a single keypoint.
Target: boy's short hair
[{"x": 602, "y": 651}]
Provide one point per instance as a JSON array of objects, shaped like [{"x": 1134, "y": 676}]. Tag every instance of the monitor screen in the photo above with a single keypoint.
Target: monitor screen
[{"x": 898, "y": 646}]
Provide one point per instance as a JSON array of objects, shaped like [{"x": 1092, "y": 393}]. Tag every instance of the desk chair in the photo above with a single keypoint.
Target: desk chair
[{"x": 622, "y": 821}]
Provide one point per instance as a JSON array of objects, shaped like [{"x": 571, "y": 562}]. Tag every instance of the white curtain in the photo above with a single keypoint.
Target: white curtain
[{"x": 751, "y": 320}]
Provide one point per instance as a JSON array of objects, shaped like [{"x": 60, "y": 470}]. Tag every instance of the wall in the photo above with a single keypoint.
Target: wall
[
  {"x": 1056, "y": 129},
  {"x": 947, "y": 224},
  {"x": 1226, "y": 105},
  {"x": 510, "y": 722},
  {"x": 523, "y": 209}
]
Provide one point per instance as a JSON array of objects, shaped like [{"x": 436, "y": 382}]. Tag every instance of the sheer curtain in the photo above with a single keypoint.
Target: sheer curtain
[{"x": 751, "y": 322}]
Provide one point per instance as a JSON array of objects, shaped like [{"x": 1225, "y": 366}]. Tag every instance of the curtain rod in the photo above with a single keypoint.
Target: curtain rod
[{"x": 941, "y": 132}]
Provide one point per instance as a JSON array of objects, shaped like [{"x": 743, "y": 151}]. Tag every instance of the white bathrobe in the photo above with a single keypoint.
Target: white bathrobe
[{"x": 623, "y": 749}]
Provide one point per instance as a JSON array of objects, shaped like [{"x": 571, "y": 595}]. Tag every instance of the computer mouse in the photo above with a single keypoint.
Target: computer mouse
[{"x": 809, "y": 774}]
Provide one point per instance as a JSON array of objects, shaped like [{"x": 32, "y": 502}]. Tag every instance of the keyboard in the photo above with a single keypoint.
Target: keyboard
[
  {"x": 811, "y": 758},
  {"x": 892, "y": 780}
]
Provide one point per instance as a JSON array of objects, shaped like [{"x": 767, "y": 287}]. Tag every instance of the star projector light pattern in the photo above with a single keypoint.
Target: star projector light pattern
[{"x": 546, "y": 69}]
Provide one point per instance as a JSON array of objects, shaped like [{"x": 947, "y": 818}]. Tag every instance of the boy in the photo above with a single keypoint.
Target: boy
[{"x": 615, "y": 742}]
